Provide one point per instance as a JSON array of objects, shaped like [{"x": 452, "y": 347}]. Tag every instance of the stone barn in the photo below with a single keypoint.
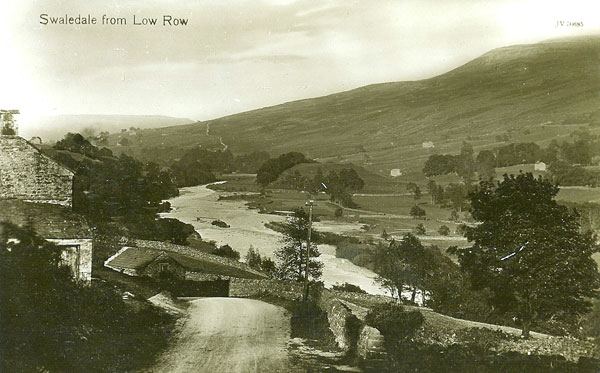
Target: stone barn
[
  {"x": 36, "y": 190},
  {"x": 199, "y": 273}
]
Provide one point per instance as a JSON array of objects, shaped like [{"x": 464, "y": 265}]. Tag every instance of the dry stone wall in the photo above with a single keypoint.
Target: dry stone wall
[
  {"x": 246, "y": 288},
  {"x": 26, "y": 174}
]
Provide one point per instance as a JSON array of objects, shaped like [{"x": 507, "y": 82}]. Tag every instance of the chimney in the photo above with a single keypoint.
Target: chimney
[{"x": 8, "y": 123}]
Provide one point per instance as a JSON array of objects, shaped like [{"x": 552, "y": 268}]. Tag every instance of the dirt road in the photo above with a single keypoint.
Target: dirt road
[{"x": 230, "y": 335}]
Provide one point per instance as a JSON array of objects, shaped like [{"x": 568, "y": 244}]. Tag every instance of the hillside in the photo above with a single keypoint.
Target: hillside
[
  {"x": 52, "y": 128},
  {"x": 531, "y": 92}
]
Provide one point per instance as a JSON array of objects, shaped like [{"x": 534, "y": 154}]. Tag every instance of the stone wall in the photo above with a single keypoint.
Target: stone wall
[
  {"x": 344, "y": 325},
  {"x": 26, "y": 174},
  {"x": 345, "y": 319},
  {"x": 365, "y": 300},
  {"x": 246, "y": 288},
  {"x": 370, "y": 343}
]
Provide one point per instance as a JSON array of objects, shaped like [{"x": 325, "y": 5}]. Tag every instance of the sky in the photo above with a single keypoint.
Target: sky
[{"x": 239, "y": 55}]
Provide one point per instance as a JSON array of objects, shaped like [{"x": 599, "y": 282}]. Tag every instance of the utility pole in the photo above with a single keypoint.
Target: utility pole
[{"x": 310, "y": 208}]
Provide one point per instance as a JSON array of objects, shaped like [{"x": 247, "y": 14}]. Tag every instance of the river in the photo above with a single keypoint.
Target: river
[{"x": 199, "y": 206}]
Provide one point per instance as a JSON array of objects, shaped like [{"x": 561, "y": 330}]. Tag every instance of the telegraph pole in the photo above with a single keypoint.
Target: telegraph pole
[{"x": 310, "y": 208}]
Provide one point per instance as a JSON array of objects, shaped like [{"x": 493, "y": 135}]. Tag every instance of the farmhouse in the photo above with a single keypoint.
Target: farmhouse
[
  {"x": 38, "y": 191},
  {"x": 395, "y": 172}
]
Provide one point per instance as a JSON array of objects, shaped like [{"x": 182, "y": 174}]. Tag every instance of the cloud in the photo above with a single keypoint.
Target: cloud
[{"x": 261, "y": 52}]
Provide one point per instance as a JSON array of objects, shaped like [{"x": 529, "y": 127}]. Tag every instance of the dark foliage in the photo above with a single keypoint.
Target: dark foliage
[
  {"x": 349, "y": 288},
  {"x": 76, "y": 143},
  {"x": 271, "y": 169},
  {"x": 403, "y": 264},
  {"x": 529, "y": 252},
  {"x": 227, "y": 252},
  {"x": 291, "y": 256},
  {"x": 417, "y": 212},
  {"x": 397, "y": 327},
  {"x": 563, "y": 173},
  {"x": 256, "y": 261},
  {"x": 121, "y": 189},
  {"x": 51, "y": 323}
]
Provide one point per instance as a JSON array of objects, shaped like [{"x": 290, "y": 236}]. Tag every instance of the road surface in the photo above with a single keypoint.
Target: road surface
[{"x": 230, "y": 335}]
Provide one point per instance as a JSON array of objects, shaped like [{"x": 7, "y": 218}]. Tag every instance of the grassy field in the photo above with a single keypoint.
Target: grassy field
[{"x": 376, "y": 212}]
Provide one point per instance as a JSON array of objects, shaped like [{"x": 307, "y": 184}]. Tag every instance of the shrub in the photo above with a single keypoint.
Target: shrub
[
  {"x": 339, "y": 212},
  {"x": 420, "y": 229},
  {"x": 349, "y": 288},
  {"x": 227, "y": 252},
  {"x": 51, "y": 323},
  {"x": 417, "y": 212},
  {"x": 397, "y": 327},
  {"x": 444, "y": 230}
]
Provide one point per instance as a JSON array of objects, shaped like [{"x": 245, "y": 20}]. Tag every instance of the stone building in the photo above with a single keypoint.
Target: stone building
[
  {"x": 36, "y": 190},
  {"x": 199, "y": 273}
]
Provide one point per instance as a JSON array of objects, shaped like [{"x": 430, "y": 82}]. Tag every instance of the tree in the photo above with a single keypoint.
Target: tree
[
  {"x": 415, "y": 190},
  {"x": 227, "y": 252},
  {"x": 50, "y": 322},
  {"x": 420, "y": 229},
  {"x": 439, "y": 164},
  {"x": 253, "y": 258},
  {"x": 465, "y": 165},
  {"x": 417, "y": 212},
  {"x": 457, "y": 194},
  {"x": 529, "y": 251},
  {"x": 271, "y": 169},
  {"x": 454, "y": 215},
  {"x": 431, "y": 189},
  {"x": 403, "y": 264},
  {"x": 444, "y": 230},
  {"x": 291, "y": 256}
]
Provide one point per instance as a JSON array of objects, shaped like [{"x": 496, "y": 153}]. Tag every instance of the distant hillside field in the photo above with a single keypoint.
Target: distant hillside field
[{"x": 521, "y": 93}]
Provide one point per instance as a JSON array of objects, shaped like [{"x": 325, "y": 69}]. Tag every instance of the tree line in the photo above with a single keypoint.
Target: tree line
[
  {"x": 530, "y": 263},
  {"x": 108, "y": 188},
  {"x": 566, "y": 160}
]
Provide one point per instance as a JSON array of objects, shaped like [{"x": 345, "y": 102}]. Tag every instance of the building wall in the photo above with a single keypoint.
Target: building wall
[
  {"x": 154, "y": 268},
  {"x": 77, "y": 254},
  {"x": 26, "y": 174}
]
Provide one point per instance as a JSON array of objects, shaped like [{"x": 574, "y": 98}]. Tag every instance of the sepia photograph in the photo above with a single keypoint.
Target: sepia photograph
[{"x": 300, "y": 186}]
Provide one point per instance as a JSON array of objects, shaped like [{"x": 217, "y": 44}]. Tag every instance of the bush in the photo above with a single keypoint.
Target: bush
[
  {"x": 420, "y": 229},
  {"x": 49, "y": 322},
  {"x": 444, "y": 230},
  {"x": 339, "y": 212},
  {"x": 227, "y": 252},
  {"x": 397, "y": 327},
  {"x": 349, "y": 288},
  {"x": 417, "y": 212}
]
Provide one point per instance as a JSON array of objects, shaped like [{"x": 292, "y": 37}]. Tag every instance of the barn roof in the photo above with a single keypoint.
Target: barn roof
[
  {"x": 133, "y": 258},
  {"x": 136, "y": 258},
  {"x": 48, "y": 220}
]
